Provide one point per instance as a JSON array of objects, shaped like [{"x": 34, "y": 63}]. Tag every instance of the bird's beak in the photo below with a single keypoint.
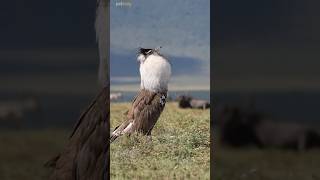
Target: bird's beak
[{"x": 158, "y": 48}]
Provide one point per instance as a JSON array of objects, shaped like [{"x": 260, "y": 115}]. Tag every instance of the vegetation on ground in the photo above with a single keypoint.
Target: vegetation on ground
[
  {"x": 179, "y": 150},
  {"x": 264, "y": 164},
  {"x": 23, "y": 153},
  {"x": 180, "y": 146}
]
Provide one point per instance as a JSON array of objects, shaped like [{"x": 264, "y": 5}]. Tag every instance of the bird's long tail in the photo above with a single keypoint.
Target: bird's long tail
[
  {"x": 112, "y": 138},
  {"x": 124, "y": 128},
  {"x": 114, "y": 135}
]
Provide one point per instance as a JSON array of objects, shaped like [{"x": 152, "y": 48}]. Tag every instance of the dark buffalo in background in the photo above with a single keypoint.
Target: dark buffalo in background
[
  {"x": 185, "y": 101},
  {"x": 240, "y": 127}
]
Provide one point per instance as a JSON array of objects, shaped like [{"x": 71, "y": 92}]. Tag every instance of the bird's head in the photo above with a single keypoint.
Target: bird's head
[{"x": 143, "y": 53}]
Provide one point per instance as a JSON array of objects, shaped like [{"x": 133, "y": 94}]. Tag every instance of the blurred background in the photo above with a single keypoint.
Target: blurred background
[
  {"x": 48, "y": 75},
  {"x": 266, "y": 89}
]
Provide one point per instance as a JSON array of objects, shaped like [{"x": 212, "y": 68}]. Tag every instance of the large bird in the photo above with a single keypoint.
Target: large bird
[
  {"x": 86, "y": 155},
  {"x": 155, "y": 72}
]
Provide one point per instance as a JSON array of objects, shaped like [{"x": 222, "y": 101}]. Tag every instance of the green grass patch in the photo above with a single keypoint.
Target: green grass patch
[
  {"x": 180, "y": 147},
  {"x": 179, "y": 150}
]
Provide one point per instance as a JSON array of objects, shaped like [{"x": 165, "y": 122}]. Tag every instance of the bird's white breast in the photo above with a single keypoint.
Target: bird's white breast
[{"x": 155, "y": 72}]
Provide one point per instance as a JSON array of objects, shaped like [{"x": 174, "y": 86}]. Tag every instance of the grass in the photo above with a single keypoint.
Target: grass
[
  {"x": 265, "y": 164},
  {"x": 180, "y": 147},
  {"x": 23, "y": 153},
  {"x": 179, "y": 150}
]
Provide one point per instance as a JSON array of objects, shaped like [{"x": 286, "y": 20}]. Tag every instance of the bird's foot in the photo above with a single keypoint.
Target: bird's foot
[{"x": 149, "y": 139}]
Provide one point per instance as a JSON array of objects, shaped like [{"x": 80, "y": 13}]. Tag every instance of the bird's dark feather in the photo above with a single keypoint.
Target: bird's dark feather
[
  {"x": 144, "y": 113},
  {"x": 87, "y": 152},
  {"x": 145, "y": 51}
]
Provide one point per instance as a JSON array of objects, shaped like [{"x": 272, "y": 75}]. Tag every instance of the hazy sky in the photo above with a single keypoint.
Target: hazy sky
[
  {"x": 51, "y": 45},
  {"x": 181, "y": 27},
  {"x": 48, "y": 46},
  {"x": 266, "y": 45},
  {"x": 47, "y": 24}
]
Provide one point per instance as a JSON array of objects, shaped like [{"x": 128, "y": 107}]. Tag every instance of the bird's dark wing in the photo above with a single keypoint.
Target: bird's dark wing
[
  {"x": 103, "y": 38},
  {"x": 145, "y": 111},
  {"x": 84, "y": 113},
  {"x": 118, "y": 131},
  {"x": 86, "y": 155}
]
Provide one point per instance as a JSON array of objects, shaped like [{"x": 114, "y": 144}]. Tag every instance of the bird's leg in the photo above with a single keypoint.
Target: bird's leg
[{"x": 149, "y": 138}]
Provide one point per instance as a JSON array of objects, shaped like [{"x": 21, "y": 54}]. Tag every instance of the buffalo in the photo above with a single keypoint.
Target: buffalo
[
  {"x": 240, "y": 128},
  {"x": 13, "y": 112},
  {"x": 190, "y": 102}
]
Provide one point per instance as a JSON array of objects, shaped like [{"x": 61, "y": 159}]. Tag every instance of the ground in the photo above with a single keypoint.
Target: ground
[
  {"x": 180, "y": 146},
  {"x": 264, "y": 164},
  {"x": 23, "y": 153}
]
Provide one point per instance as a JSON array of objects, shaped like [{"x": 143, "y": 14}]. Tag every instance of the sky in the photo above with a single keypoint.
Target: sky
[
  {"x": 50, "y": 46},
  {"x": 47, "y": 24},
  {"x": 181, "y": 27},
  {"x": 266, "y": 45}
]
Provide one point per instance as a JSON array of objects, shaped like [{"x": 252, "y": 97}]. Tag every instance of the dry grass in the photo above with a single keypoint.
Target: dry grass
[
  {"x": 180, "y": 147},
  {"x": 179, "y": 150},
  {"x": 265, "y": 164},
  {"x": 23, "y": 153}
]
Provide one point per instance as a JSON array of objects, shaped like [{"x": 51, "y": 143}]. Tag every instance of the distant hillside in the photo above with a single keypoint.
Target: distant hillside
[{"x": 127, "y": 65}]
